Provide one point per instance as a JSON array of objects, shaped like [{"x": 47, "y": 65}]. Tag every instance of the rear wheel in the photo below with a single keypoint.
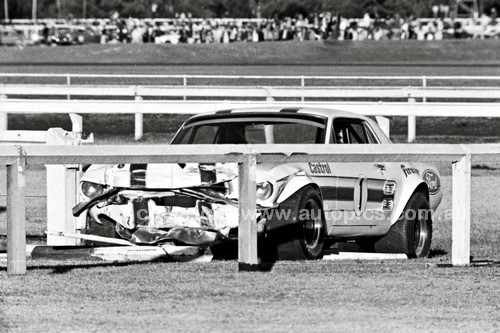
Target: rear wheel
[
  {"x": 303, "y": 234},
  {"x": 412, "y": 233}
]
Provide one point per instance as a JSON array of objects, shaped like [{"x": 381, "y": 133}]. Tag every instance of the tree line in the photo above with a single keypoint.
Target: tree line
[{"x": 223, "y": 8}]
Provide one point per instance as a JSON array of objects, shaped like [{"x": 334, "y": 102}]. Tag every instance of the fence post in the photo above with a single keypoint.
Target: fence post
[
  {"x": 3, "y": 114},
  {"x": 385, "y": 124},
  {"x": 302, "y": 84},
  {"x": 424, "y": 85},
  {"x": 76, "y": 123},
  {"x": 68, "y": 83},
  {"x": 247, "y": 227},
  {"x": 460, "y": 247},
  {"x": 62, "y": 193},
  {"x": 184, "y": 83},
  {"x": 139, "y": 117},
  {"x": 16, "y": 217},
  {"x": 412, "y": 124}
]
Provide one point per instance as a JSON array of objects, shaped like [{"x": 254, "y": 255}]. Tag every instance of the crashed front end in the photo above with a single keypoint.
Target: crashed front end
[{"x": 146, "y": 204}]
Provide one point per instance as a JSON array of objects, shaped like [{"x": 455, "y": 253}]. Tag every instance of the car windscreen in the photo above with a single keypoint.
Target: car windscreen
[{"x": 253, "y": 130}]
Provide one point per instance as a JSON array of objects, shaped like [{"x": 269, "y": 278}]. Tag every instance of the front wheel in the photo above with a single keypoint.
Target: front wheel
[
  {"x": 412, "y": 233},
  {"x": 103, "y": 228},
  {"x": 302, "y": 236}
]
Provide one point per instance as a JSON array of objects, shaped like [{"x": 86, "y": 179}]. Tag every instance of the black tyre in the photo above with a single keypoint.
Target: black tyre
[
  {"x": 302, "y": 236},
  {"x": 106, "y": 229},
  {"x": 225, "y": 251},
  {"x": 412, "y": 233}
]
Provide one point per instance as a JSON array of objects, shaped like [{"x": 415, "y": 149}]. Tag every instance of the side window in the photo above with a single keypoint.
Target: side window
[
  {"x": 352, "y": 131},
  {"x": 204, "y": 135},
  {"x": 357, "y": 133},
  {"x": 254, "y": 133}
]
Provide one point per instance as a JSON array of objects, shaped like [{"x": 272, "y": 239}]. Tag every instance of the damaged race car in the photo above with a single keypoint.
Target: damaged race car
[{"x": 302, "y": 208}]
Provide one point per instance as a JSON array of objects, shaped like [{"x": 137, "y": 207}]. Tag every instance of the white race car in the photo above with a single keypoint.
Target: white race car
[{"x": 302, "y": 208}]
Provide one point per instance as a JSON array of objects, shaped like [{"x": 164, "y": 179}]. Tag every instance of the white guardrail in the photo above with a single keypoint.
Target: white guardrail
[
  {"x": 414, "y": 96},
  {"x": 460, "y": 156}
]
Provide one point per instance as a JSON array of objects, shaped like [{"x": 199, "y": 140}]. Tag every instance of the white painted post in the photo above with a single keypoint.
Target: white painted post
[
  {"x": 68, "y": 83},
  {"x": 139, "y": 118},
  {"x": 385, "y": 125},
  {"x": 184, "y": 84},
  {"x": 76, "y": 123},
  {"x": 424, "y": 85},
  {"x": 62, "y": 193},
  {"x": 3, "y": 115},
  {"x": 412, "y": 124},
  {"x": 61, "y": 198},
  {"x": 302, "y": 84},
  {"x": 412, "y": 128},
  {"x": 16, "y": 217},
  {"x": 247, "y": 228},
  {"x": 460, "y": 248}
]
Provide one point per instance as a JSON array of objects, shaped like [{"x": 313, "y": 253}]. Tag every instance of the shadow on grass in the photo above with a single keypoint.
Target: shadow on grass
[
  {"x": 437, "y": 253},
  {"x": 63, "y": 268}
]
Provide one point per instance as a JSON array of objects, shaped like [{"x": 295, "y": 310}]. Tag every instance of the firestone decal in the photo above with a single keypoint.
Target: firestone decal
[
  {"x": 319, "y": 168},
  {"x": 409, "y": 171}
]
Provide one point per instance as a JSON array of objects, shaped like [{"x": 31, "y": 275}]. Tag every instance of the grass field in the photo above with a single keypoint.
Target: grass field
[
  {"x": 437, "y": 53},
  {"x": 410, "y": 295},
  {"x": 414, "y": 295},
  {"x": 295, "y": 296}
]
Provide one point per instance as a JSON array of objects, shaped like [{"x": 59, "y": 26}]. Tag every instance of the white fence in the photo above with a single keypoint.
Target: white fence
[
  {"x": 302, "y": 80},
  {"x": 461, "y": 157},
  {"x": 415, "y": 95},
  {"x": 62, "y": 180}
]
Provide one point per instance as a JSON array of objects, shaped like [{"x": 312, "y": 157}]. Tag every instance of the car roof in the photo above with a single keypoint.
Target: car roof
[
  {"x": 322, "y": 112},
  {"x": 309, "y": 112}
]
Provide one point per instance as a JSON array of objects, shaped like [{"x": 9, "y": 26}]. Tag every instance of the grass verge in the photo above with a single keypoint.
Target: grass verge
[
  {"x": 441, "y": 53},
  {"x": 294, "y": 296}
]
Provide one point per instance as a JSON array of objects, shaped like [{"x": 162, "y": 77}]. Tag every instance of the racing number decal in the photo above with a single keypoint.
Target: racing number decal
[{"x": 360, "y": 195}]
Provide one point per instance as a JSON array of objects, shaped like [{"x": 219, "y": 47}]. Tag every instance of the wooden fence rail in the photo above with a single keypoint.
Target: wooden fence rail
[
  {"x": 320, "y": 91},
  {"x": 140, "y": 107},
  {"x": 264, "y": 92},
  {"x": 187, "y": 79},
  {"x": 247, "y": 157}
]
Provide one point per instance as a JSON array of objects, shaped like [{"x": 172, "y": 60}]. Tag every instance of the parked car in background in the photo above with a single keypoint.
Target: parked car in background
[
  {"x": 167, "y": 36},
  {"x": 9, "y": 36},
  {"x": 64, "y": 35},
  {"x": 21, "y": 34},
  {"x": 302, "y": 208}
]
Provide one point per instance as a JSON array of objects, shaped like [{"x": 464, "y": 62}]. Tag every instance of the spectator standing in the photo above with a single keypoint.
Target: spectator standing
[
  {"x": 255, "y": 35},
  {"x": 438, "y": 35},
  {"x": 136, "y": 35},
  {"x": 225, "y": 36},
  {"x": 45, "y": 34}
]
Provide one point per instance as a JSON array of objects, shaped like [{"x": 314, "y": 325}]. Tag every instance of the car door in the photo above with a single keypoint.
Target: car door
[{"x": 364, "y": 194}]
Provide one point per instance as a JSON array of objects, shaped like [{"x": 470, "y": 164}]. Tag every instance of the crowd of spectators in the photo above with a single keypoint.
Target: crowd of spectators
[{"x": 324, "y": 26}]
